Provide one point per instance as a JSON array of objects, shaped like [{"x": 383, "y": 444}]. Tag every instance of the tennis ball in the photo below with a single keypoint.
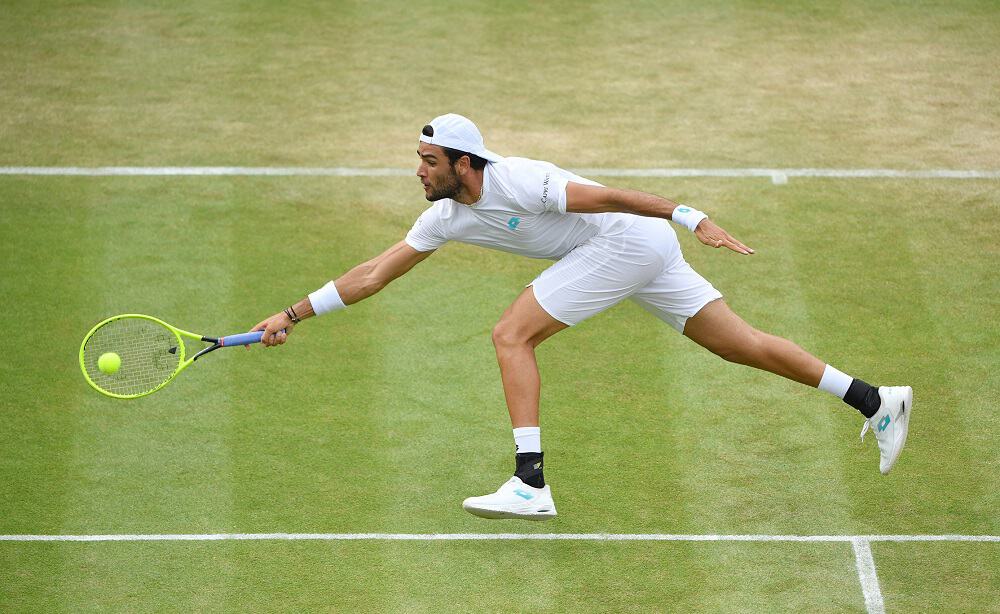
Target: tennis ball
[{"x": 109, "y": 363}]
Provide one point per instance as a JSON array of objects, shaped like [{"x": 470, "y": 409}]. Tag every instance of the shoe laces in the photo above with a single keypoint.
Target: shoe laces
[{"x": 864, "y": 429}]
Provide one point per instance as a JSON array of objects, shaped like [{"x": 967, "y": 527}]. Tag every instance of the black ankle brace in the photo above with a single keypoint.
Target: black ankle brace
[
  {"x": 529, "y": 469},
  {"x": 863, "y": 397}
]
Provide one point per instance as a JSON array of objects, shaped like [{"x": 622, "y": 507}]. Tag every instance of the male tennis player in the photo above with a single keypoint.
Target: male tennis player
[{"x": 609, "y": 245}]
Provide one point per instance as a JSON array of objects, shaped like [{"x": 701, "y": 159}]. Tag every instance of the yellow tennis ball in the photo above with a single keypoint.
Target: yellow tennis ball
[{"x": 109, "y": 363}]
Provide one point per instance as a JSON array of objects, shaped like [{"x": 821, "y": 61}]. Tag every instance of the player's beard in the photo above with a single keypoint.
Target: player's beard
[{"x": 448, "y": 188}]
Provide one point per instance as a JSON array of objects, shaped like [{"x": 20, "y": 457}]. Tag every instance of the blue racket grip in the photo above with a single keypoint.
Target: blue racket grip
[{"x": 242, "y": 339}]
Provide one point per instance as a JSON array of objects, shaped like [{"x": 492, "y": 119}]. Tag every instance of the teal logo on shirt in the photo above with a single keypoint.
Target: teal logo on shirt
[{"x": 513, "y": 222}]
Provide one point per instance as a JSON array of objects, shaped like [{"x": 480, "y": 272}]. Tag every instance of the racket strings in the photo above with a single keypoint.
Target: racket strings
[{"x": 150, "y": 353}]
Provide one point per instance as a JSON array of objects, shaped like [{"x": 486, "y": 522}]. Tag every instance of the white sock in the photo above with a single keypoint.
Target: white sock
[
  {"x": 528, "y": 439},
  {"x": 835, "y": 382}
]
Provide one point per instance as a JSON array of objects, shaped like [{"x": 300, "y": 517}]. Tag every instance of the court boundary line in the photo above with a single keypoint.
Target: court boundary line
[
  {"x": 778, "y": 176},
  {"x": 606, "y": 537},
  {"x": 868, "y": 576},
  {"x": 864, "y": 561}
]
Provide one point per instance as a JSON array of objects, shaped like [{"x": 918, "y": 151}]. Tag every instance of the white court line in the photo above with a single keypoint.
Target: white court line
[
  {"x": 777, "y": 175},
  {"x": 861, "y": 544},
  {"x": 603, "y": 537},
  {"x": 868, "y": 576}
]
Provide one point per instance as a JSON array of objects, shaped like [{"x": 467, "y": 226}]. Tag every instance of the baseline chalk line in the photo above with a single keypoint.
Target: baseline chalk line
[{"x": 602, "y": 537}]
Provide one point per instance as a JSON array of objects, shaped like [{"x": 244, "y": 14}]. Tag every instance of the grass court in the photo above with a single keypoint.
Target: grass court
[{"x": 381, "y": 419}]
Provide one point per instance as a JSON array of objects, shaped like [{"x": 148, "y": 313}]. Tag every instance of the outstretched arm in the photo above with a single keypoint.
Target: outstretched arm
[
  {"x": 355, "y": 285},
  {"x": 582, "y": 198}
]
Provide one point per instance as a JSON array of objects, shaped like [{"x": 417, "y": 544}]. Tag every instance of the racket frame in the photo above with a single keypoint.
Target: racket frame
[{"x": 182, "y": 363}]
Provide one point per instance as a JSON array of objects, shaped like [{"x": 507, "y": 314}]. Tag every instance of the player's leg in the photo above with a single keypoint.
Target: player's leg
[
  {"x": 590, "y": 279},
  {"x": 690, "y": 304},
  {"x": 886, "y": 409},
  {"x": 522, "y": 327},
  {"x": 716, "y": 328}
]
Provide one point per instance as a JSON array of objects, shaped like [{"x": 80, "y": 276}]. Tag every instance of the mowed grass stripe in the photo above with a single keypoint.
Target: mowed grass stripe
[
  {"x": 166, "y": 458},
  {"x": 874, "y": 308},
  {"x": 730, "y": 83},
  {"x": 837, "y": 275},
  {"x": 47, "y": 276},
  {"x": 956, "y": 286},
  {"x": 305, "y": 450},
  {"x": 442, "y": 405},
  {"x": 754, "y": 443}
]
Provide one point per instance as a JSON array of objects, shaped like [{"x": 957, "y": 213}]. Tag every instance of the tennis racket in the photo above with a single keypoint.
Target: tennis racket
[{"x": 152, "y": 353}]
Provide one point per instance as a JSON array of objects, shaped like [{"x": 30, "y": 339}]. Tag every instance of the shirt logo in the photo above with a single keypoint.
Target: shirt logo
[
  {"x": 513, "y": 222},
  {"x": 545, "y": 188}
]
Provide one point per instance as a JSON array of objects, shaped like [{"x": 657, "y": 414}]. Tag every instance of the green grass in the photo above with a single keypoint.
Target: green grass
[
  {"x": 841, "y": 84},
  {"x": 382, "y": 418},
  {"x": 427, "y": 577}
]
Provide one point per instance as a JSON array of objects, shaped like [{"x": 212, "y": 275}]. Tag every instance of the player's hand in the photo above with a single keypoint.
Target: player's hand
[
  {"x": 276, "y": 329},
  {"x": 709, "y": 233}
]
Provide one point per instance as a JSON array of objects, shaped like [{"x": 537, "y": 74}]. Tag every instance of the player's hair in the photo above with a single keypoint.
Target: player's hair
[
  {"x": 454, "y": 154},
  {"x": 474, "y": 161}
]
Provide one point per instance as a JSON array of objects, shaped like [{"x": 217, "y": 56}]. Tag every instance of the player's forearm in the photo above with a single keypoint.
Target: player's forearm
[
  {"x": 357, "y": 284},
  {"x": 641, "y": 203},
  {"x": 360, "y": 282}
]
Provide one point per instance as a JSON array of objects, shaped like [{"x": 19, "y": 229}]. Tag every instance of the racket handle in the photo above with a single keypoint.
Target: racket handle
[{"x": 241, "y": 339}]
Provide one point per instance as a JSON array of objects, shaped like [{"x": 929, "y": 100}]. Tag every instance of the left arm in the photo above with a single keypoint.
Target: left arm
[{"x": 582, "y": 198}]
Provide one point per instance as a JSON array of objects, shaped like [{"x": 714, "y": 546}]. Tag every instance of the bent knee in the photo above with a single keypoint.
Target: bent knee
[{"x": 507, "y": 334}]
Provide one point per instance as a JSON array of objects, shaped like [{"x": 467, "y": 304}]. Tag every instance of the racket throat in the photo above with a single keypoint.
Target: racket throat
[{"x": 215, "y": 345}]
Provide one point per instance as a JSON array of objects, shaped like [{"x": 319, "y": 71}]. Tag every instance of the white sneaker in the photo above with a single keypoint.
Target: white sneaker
[
  {"x": 514, "y": 499},
  {"x": 890, "y": 423}
]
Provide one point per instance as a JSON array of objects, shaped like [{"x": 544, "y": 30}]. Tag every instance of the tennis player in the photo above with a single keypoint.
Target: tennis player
[{"x": 608, "y": 245}]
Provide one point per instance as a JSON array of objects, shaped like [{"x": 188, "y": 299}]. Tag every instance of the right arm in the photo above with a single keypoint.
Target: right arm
[{"x": 355, "y": 285}]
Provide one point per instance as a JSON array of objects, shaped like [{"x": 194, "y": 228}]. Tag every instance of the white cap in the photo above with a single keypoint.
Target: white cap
[{"x": 458, "y": 132}]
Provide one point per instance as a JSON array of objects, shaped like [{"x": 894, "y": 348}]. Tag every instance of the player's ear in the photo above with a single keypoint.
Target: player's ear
[{"x": 462, "y": 165}]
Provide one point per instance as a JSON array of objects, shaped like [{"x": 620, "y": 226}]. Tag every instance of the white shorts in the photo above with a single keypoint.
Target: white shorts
[{"x": 642, "y": 262}]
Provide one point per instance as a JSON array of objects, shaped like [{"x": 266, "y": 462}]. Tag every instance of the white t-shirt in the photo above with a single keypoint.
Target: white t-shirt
[{"x": 522, "y": 211}]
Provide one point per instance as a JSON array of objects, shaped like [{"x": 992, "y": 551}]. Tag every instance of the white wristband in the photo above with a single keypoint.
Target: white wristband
[
  {"x": 688, "y": 217},
  {"x": 326, "y": 299}
]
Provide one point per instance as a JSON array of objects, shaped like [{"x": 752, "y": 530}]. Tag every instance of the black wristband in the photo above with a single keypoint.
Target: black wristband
[{"x": 292, "y": 315}]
